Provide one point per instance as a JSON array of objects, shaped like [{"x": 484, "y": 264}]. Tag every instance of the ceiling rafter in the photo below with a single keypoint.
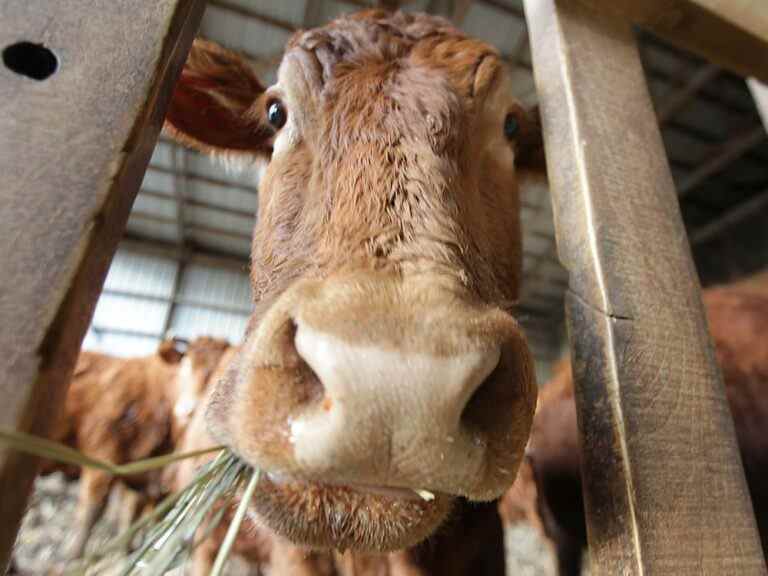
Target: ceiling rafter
[
  {"x": 725, "y": 154},
  {"x": 251, "y": 14},
  {"x": 677, "y": 99}
]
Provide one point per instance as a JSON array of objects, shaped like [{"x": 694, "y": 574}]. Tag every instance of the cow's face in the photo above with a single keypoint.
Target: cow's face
[
  {"x": 201, "y": 358},
  {"x": 381, "y": 358}
]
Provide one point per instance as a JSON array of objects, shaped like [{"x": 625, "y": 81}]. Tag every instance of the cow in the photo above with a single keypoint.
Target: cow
[
  {"x": 470, "y": 543},
  {"x": 383, "y": 375},
  {"x": 126, "y": 409},
  {"x": 548, "y": 492}
]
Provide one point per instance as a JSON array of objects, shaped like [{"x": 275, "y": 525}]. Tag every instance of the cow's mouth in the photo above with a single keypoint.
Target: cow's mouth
[{"x": 357, "y": 517}]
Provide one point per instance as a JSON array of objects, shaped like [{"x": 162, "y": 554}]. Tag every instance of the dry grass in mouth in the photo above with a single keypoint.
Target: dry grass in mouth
[{"x": 170, "y": 533}]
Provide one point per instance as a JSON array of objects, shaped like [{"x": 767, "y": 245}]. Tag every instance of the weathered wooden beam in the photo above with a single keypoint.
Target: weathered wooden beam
[
  {"x": 81, "y": 105},
  {"x": 732, "y": 34},
  {"x": 664, "y": 487}
]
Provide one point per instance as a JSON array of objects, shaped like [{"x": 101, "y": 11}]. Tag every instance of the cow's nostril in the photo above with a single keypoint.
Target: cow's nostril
[
  {"x": 307, "y": 387},
  {"x": 484, "y": 413}
]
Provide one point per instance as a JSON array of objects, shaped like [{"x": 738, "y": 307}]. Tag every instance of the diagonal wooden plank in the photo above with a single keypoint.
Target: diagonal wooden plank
[
  {"x": 73, "y": 150},
  {"x": 664, "y": 487},
  {"x": 732, "y": 34}
]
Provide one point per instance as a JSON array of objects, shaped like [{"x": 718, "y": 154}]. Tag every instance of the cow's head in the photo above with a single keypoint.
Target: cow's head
[{"x": 381, "y": 357}]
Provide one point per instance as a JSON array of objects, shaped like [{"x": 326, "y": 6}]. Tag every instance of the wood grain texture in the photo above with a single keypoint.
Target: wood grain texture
[
  {"x": 73, "y": 150},
  {"x": 664, "y": 487},
  {"x": 730, "y": 33}
]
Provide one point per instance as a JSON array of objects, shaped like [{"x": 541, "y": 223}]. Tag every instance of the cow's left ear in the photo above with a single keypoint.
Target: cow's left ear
[
  {"x": 529, "y": 145},
  {"x": 217, "y": 104},
  {"x": 168, "y": 352}
]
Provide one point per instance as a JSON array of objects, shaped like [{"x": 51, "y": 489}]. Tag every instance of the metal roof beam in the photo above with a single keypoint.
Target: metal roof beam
[
  {"x": 196, "y": 177},
  {"x": 194, "y": 203},
  {"x": 675, "y": 101},
  {"x": 194, "y": 226},
  {"x": 730, "y": 218},
  {"x": 726, "y": 154},
  {"x": 253, "y": 15},
  {"x": 178, "y": 301},
  {"x": 204, "y": 256}
]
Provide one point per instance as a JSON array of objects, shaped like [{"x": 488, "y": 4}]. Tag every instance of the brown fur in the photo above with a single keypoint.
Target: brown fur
[
  {"x": 470, "y": 543},
  {"x": 549, "y": 493},
  {"x": 388, "y": 216},
  {"x": 203, "y": 355},
  {"x": 120, "y": 410}
]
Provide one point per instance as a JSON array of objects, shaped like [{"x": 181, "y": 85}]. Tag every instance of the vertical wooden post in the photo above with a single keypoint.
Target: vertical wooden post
[
  {"x": 664, "y": 487},
  {"x": 83, "y": 91}
]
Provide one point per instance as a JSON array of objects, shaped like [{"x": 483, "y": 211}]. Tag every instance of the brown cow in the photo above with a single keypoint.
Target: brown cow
[
  {"x": 470, "y": 543},
  {"x": 121, "y": 410},
  {"x": 382, "y": 356},
  {"x": 548, "y": 490}
]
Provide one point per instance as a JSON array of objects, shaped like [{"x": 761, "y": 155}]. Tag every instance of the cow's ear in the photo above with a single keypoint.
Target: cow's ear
[
  {"x": 168, "y": 352},
  {"x": 217, "y": 104},
  {"x": 529, "y": 146}
]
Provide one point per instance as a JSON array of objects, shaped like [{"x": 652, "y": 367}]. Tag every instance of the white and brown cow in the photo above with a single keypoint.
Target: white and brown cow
[
  {"x": 127, "y": 409},
  {"x": 382, "y": 356}
]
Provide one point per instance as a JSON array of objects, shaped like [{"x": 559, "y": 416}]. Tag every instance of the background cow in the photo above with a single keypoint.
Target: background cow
[
  {"x": 547, "y": 492},
  {"x": 122, "y": 410},
  {"x": 382, "y": 356}
]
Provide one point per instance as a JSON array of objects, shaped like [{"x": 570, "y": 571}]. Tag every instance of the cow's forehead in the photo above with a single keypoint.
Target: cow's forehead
[{"x": 382, "y": 36}]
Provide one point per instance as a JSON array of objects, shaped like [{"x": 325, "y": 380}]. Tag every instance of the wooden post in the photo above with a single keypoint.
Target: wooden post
[
  {"x": 83, "y": 90},
  {"x": 664, "y": 486}
]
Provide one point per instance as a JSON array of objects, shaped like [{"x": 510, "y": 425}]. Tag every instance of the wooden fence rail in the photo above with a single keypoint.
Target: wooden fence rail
[
  {"x": 664, "y": 487},
  {"x": 83, "y": 89}
]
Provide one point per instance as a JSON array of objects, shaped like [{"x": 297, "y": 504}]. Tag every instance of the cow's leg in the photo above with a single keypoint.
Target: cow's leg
[
  {"x": 92, "y": 498},
  {"x": 129, "y": 503}
]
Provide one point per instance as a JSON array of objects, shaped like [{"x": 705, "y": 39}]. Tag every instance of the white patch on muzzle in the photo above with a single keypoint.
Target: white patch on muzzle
[{"x": 390, "y": 416}]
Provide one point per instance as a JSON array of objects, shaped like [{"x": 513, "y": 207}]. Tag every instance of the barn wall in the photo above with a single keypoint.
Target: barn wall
[{"x": 137, "y": 305}]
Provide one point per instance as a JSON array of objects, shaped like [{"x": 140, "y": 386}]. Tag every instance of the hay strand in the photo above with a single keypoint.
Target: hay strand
[
  {"x": 234, "y": 526},
  {"x": 37, "y": 446}
]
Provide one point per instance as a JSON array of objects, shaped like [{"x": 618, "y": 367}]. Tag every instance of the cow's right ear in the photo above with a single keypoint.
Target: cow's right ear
[{"x": 217, "y": 104}]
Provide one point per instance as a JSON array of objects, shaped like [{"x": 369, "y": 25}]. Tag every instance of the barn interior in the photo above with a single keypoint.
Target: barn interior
[{"x": 182, "y": 266}]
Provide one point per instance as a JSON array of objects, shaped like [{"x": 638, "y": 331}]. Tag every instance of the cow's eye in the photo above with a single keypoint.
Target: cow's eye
[
  {"x": 276, "y": 114},
  {"x": 511, "y": 126}
]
